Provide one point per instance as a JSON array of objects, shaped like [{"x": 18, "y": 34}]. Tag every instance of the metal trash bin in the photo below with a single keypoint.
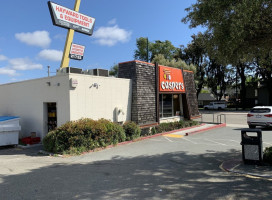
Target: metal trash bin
[
  {"x": 9, "y": 130},
  {"x": 252, "y": 146}
]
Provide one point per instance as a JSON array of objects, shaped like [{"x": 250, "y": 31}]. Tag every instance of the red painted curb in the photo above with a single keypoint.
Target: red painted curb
[
  {"x": 156, "y": 135},
  {"x": 152, "y": 136},
  {"x": 207, "y": 129},
  {"x": 165, "y": 133}
]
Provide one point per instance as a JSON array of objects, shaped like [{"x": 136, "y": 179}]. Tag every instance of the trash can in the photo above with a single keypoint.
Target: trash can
[
  {"x": 252, "y": 146},
  {"x": 9, "y": 130}
]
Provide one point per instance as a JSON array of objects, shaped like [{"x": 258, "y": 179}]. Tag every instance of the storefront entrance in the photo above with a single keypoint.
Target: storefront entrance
[
  {"x": 50, "y": 116},
  {"x": 170, "y": 105}
]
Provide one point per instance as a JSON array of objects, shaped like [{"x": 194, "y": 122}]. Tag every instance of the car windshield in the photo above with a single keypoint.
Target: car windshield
[{"x": 260, "y": 110}]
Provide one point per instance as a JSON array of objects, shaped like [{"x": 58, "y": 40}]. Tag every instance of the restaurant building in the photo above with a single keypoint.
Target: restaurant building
[
  {"x": 145, "y": 93},
  {"x": 160, "y": 93}
]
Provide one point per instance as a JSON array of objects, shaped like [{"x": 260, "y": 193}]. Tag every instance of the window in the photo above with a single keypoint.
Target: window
[
  {"x": 260, "y": 110},
  {"x": 169, "y": 105}
]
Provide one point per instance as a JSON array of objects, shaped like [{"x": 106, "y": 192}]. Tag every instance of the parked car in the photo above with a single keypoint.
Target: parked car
[
  {"x": 260, "y": 116},
  {"x": 215, "y": 106}
]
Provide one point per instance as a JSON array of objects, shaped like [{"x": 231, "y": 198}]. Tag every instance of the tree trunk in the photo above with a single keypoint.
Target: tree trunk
[{"x": 241, "y": 71}]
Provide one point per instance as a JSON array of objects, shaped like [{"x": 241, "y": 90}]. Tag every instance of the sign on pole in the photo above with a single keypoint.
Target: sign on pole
[
  {"x": 70, "y": 19},
  {"x": 76, "y": 52}
]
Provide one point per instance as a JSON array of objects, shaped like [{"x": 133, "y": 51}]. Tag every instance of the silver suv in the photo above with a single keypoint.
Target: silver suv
[{"x": 260, "y": 116}]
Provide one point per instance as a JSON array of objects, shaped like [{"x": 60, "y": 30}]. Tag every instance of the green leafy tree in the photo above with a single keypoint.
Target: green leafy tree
[
  {"x": 217, "y": 78},
  {"x": 173, "y": 63},
  {"x": 165, "y": 48},
  {"x": 236, "y": 27},
  {"x": 236, "y": 30},
  {"x": 195, "y": 53},
  {"x": 146, "y": 51},
  {"x": 142, "y": 48},
  {"x": 114, "y": 71}
]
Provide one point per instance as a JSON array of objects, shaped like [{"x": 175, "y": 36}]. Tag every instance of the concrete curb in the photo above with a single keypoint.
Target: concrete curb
[
  {"x": 29, "y": 146},
  {"x": 232, "y": 166},
  {"x": 174, "y": 131},
  {"x": 159, "y": 134},
  {"x": 207, "y": 129}
]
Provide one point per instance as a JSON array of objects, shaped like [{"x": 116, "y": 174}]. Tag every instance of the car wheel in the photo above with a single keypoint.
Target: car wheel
[{"x": 251, "y": 126}]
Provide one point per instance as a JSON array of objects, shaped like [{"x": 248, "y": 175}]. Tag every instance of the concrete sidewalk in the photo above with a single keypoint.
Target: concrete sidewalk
[
  {"x": 256, "y": 171},
  {"x": 193, "y": 130}
]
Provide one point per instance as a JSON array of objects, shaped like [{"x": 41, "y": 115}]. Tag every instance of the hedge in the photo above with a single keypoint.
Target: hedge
[
  {"x": 83, "y": 135},
  {"x": 170, "y": 126}
]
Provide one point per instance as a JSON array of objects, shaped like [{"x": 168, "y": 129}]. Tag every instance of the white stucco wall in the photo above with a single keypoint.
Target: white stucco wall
[
  {"x": 26, "y": 99},
  {"x": 100, "y": 102}
]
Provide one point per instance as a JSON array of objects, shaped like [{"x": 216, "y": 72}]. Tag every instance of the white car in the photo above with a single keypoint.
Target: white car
[
  {"x": 215, "y": 106},
  {"x": 260, "y": 116}
]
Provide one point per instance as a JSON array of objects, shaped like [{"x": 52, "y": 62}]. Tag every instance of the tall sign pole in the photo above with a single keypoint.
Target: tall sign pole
[
  {"x": 69, "y": 39},
  {"x": 73, "y": 21}
]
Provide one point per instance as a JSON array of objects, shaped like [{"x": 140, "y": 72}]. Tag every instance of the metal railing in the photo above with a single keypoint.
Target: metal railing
[
  {"x": 220, "y": 117},
  {"x": 211, "y": 117}
]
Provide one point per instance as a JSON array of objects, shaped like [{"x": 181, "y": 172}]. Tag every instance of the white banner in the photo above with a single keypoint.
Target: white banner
[{"x": 67, "y": 18}]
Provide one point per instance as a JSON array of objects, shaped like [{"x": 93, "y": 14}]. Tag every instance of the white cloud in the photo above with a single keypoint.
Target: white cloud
[
  {"x": 50, "y": 54},
  {"x": 61, "y": 37},
  {"x": 37, "y": 38},
  {"x": 7, "y": 71},
  {"x": 23, "y": 64},
  {"x": 112, "y": 22},
  {"x": 2, "y": 58},
  {"x": 109, "y": 36}
]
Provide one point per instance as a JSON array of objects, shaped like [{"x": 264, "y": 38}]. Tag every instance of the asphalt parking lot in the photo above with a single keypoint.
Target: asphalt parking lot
[
  {"x": 226, "y": 138},
  {"x": 163, "y": 167}
]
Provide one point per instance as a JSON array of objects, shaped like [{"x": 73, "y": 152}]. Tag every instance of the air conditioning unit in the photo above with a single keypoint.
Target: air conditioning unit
[
  {"x": 68, "y": 70},
  {"x": 87, "y": 72},
  {"x": 101, "y": 72}
]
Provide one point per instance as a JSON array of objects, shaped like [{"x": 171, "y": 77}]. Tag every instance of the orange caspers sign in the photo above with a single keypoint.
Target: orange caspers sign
[{"x": 171, "y": 80}]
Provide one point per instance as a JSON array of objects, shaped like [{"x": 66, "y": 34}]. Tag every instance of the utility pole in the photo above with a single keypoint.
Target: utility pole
[
  {"x": 69, "y": 39},
  {"x": 48, "y": 70},
  {"x": 236, "y": 91},
  {"x": 147, "y": 59}
]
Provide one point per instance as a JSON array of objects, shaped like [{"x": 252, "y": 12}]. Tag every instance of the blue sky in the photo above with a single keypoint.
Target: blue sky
[{"x": 29, "y": 42}]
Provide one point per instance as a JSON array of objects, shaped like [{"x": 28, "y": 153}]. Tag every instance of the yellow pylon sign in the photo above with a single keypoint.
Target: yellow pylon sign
[
  {"x": 73, "y": 21},
  {"x": 69, "y": 39}
]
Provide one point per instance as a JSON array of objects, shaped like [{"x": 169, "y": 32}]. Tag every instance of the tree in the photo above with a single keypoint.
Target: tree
[
  {"x": 195, "y": 53},
  {"x": 173, "y": 63},
  {"x": 217, "y": 78},
  {"x": 236, "y": 30},
  {"x": 166, "y": 48},
  {"x": 263, "y": 66},
  {"x": 141, "y": 52},
  {"x": 114, "y": 70}
]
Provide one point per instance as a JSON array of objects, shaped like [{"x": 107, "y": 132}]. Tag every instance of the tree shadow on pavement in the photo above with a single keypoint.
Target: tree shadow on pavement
[{"x": 177, "y": 175}]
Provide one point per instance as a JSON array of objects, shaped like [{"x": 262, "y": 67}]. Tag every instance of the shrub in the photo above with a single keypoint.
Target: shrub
[
  {"x": 82, "y": 135},
  {"x": 85, "y": 134},
  {"x": 49, "y": 141},
  {"x": 267, "y": 156},
  {"x": 132, "y": 130},
  {"x": 170, "y": 126}
]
